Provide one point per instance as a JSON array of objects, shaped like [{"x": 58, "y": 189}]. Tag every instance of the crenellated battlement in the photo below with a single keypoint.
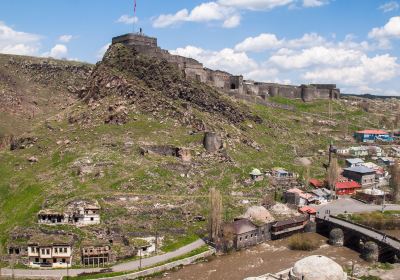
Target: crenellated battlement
[{"x": 231, "y": 84}]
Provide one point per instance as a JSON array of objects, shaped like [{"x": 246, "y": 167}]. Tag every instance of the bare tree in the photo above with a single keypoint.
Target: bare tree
[
  {"x": 332, "y": 175},
  {"x": 395, "y": 181},
  {"x": 215, "y": 216},
  {"x": 307, "y": 177}
]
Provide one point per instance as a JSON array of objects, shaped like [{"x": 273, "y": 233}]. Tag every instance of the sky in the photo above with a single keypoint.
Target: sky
[{"x": 353, "y": 43}]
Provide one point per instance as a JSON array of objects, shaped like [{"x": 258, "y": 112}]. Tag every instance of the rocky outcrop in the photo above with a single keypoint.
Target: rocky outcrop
[
  {"x": 212, "y": 142},
  {"x": 158, "y": 87}
]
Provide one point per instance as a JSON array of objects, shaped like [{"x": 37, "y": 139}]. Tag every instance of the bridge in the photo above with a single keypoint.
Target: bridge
[{"x": 373, "y": 244}]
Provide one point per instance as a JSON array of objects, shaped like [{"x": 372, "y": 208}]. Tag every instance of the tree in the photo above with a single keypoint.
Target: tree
[
  {"x": 215, "y": 216},
  {"x": 333, "y": 173},
  {"x": 307, "y": 177},
  {"x": 395, "y": 181}
]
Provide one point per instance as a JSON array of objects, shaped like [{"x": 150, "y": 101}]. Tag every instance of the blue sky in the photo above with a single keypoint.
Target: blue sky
[{"x": 354, "y": 43}]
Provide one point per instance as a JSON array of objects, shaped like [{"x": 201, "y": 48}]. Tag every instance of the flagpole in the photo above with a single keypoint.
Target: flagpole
[{"x": 134, "y": 17}]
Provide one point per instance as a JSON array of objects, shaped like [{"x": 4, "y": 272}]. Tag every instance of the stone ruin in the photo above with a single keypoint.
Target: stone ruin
[{"x": 233, "y": 85}]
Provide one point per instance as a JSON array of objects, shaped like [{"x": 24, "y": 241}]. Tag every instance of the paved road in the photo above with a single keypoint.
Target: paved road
[
  {"x": 129, "y": 266},
  {"x": 348, "y": 205}
]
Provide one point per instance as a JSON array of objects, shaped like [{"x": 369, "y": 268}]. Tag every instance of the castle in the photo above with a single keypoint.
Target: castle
[{"x": 226, "y": 82}]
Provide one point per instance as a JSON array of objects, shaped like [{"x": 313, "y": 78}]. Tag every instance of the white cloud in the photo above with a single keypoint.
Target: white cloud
[
  {"x": 268, "y": 41},
  {"x": 262, "y": 42},
  {"x": 65, "y": 38},
  {"x": 58, "y": 51},
  {"x": 314, "y": 3},
  {"x": 225, "y": 59},
  {"x": 232, "y": 22},
  {"x": 16, "y": 42},
  {"x": 205, "y": 12},
  {"x": 369, "y": 70},
  {"x": 389, "y": 6},
  {"x": 102, "y": 51},
  {"x": 390, "y": 29},
  {"x": 126, "y": 19},
  {"x": 255, "y": 4}
]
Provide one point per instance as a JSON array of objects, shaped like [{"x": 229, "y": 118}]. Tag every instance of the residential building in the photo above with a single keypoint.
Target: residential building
[
  {"x": 347, "y": 188},
  {"x": 395, "y": 152},
  {"x": 297, "y": 197},
  {"x": 246, "y": 233},
  {"x": 359, "y": 151},
  {"x": 372, "y": 135},
  {"x": 50, "y": 251},
  {"x": 316, "y": 183},
  {"x": 353, "y": 162},
  {"x": 289, "y": 226},
  {"x": 361, "y": 174},
  {"x": 95, "y": 253},
  {"x": 79, "y": 213},
  {"x": 385, "y": 161},
  {"x": 256, "y": 175},
  {"x": 343, "y": 151},
  {"x": 322, "y": 195}
]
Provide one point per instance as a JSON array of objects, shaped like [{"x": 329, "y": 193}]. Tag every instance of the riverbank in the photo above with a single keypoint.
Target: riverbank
[{"x": 269, "y": 257}]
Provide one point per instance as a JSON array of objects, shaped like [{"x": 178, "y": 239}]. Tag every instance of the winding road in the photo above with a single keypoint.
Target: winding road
[{"x": 128, "y": 266}]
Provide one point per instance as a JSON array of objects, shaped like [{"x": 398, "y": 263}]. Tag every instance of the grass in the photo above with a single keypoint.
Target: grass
[
  {"x": 174, "y": 244},
  {"x": 302, "y": 242},
  {"x": 195, "y": 252},
  {"x": 378, "y": 220}
]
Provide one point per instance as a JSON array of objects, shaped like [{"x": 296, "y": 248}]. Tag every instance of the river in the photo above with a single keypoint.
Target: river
[{"x": 269, "y": 257}]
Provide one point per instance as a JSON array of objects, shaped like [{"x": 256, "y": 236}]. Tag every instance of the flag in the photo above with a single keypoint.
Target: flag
[{"x": 134, "y": 9}]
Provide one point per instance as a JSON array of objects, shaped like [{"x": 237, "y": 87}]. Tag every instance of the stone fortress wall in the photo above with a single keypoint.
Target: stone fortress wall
[{"x": 226, "y": 82}]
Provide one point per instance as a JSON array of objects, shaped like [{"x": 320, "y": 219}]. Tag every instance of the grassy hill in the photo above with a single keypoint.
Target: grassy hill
[{"x": 93, "y": 120}]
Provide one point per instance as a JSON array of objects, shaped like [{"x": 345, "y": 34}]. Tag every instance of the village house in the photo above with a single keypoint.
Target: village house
[
  {"x": 288, "y": 227},
  {"x": 347, "y": 187},
  {"x": 361, "y": 174},
  {"x": 371, "y": 195},
  {"x": 282, "y": 178},
  {"x": 246, "y": 233},
  {"x": 256, "y": 175},
  {"x": 310, "y": 211},
  {"x": 395, "y": 152},
  {"x": 342, "y": 151},
  {"x": 385, "y": 161},
  {"x": 298, "y": 197},
  {"x": 371, "y": 135},
  {"x": 376, "y": 151},
  {"x": 50, "y": 251},
  {"x": 95, "y": 253},
  {"x": 359, "y": 151},
  {"x": 353, "y": 162},
  {"x": 381, "y": 175},
  {"x": 322, "y": 195},
  {"x": 79, "y": 213},
  {"x": 315, "y": 183}
]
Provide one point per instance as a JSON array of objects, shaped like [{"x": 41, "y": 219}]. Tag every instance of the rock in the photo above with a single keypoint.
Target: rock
[
  {"x": 33, "y": 159},
  {"x": 185, "y": 154},
  {"x": 212, "y": 142},
  {"x": 22, "y": 143}
]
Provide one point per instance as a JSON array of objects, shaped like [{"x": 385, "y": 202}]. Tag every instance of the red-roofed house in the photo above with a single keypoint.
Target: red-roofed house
[
  {"x": 347, "y": 188},
  {"x": 371, "y": 135},
  {"x": 316, "y": 183}
]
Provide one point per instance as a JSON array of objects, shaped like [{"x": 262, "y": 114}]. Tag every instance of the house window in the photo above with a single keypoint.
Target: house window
[
  {"x": 251, "y": 235},
  {"x": 92, "y": 219},
  {"x": 56, "y": 250},
  {"x": 36, "y": 260},
  {"x": 54, "y": 260},
  {"x": 48, "y": 251},
  {"x": 245, "y": 237},
  {"x": 240, "y": 239},
  {"x": 43, "y": 251},
  {"x": 63, "y": 260},
  {"x": 65, "y": 250}
]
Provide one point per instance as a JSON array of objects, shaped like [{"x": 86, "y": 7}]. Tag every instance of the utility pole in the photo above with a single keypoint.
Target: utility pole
[
  {"x": 140, "y": 258},
  {"x": 383, "y": 202}
]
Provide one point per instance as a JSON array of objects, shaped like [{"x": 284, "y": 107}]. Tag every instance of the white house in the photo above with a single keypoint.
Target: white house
[{"x": 50, "y": 251}]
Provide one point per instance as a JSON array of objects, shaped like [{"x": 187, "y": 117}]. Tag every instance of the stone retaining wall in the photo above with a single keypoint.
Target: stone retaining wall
[{"x": 162, "y": 268}]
